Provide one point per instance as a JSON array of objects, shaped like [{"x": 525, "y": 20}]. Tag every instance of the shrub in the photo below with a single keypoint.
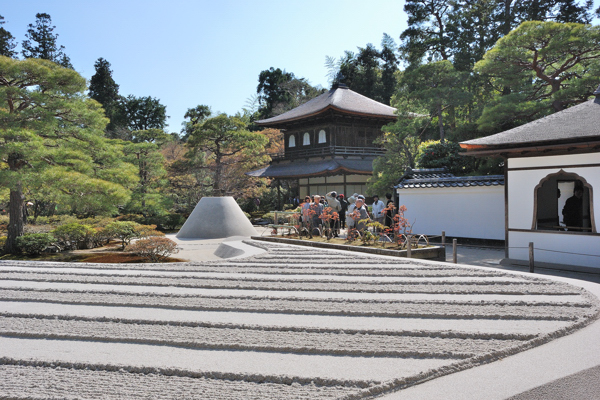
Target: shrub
[
  {"x": 34, "y": 243},
  {"x": 125, "y": 231},
  {"x": 153, "y": 248},
  {"x": 122, "y": 230},
  {"x": 2, "y": 242},
  {"x": 144, "y": 231},
  {"x": 172, "y": 221},
  {"x": 436, "y": 154},
  {"x": 74, "y": 235}
]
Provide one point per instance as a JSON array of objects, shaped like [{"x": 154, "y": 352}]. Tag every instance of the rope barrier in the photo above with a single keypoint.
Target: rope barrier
[{"x": 557, "y": 251}]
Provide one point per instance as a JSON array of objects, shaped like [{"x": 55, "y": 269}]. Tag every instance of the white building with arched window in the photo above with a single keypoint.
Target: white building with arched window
[{"x": 546, "y": 160}]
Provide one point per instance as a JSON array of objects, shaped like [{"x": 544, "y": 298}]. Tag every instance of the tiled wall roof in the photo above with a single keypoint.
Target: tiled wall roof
[{"x": 440, "y": 178}]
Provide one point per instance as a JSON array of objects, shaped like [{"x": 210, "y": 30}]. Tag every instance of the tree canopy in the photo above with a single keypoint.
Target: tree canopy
[
  {"x": 105, "y": 91},
  {"x": 369, "y": 72},
  {"x": 7, "y": 41},
  {"x": 41, "y": 42},
  {"x": 548, "y": 66},
  {"x": 226, "y": 145},
  {"x": 280, "y": 91},
  {"x": 51, "y": 134}
]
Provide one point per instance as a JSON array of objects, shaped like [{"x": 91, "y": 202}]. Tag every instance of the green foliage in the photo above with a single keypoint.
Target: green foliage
[
  {"x": 155, "y": 249},
  {"x": 52, "y": 141},
  {"x": 7, "y": 42},
  {"x": 194, "y": 116},
  {"x": 436, "y": 154},
  {"x": 463, "y": 30},
  {"x": 401, "y": 140},
  {"x": 142, "y": 113},
  {"x": 40, "y": 42},
  {"x": 145, "y": 155},
  {"x": 225, "y": 147},
  {"x": 369, "y": 72},
  {"x": 124, "y": 231},
  {"x": 437, "y": 86},
  {"x": 280, "y": 91},
  {"x": 539, "y": 68},
  {"x": 105, "y": 91},
  {"x": 74, "y": 235},
  {"x": 34, "y": 244}
]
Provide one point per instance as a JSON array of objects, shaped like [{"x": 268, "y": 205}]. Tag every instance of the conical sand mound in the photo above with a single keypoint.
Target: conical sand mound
[{"x": 214, "y": 218}]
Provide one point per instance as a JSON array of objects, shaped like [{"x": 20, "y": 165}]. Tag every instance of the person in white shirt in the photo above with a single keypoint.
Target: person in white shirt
[{"x": 377, "y": 209}]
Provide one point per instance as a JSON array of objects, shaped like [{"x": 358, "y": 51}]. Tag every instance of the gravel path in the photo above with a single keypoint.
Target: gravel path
[{"x": 289, "y": 323}]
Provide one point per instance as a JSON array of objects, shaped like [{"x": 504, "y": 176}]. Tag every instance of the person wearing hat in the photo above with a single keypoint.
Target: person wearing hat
[
  {"x": 351, "y": 205},
  {"x": 361, "y": 209}
]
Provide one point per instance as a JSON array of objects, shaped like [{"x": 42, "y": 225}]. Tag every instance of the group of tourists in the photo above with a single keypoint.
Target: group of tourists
[{"x": 345, "y": 213}]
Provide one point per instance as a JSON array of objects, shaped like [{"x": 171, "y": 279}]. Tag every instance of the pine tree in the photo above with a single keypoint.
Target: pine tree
[
  {"x": 41, "y": 42},
  {"x": 105, "y": 90},
  {"x": 7, "y": 41}
]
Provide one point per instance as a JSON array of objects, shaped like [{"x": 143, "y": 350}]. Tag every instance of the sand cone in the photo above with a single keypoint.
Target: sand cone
[{"x": 215, "y": 218}]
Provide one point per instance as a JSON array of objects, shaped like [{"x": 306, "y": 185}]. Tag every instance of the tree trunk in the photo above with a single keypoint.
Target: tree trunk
[
  {"x": 16, "y": 221},
  {"x": 440, "y": 122}
]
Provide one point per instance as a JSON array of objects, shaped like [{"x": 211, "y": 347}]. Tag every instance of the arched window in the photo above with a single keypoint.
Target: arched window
[
  {"x": 292, "y": 141},
  {"x": 564, "y": 202},
  {"x": 322, "y": 136},
  {"x": 306, "y": 139}
]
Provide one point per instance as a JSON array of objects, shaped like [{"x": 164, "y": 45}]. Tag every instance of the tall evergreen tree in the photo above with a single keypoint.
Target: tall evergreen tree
[
  {"x": 369, "y": 72},
  {"x": 427, "y": 34},
  {"x": 7, "y": 41},
  {"x": 41, "y": 43},
  {"x": 280, "y": 91},
  {"x": 105, "y": 90},
  {"x": 463, "y": 30}
]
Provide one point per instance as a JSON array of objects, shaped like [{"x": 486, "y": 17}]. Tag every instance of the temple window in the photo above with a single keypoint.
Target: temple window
[
  {"x": 322, "y": 136},
  {"x": 306, "y": 139},
  {"x": 563, "y": 203},
  {"x": 292, "y": 141}
]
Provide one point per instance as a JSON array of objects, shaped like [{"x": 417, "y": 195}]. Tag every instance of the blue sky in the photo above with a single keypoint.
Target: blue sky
[{"x": 187, "y": 52}]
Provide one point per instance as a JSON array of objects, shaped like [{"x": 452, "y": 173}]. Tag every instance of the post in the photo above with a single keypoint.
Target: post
[
  {"x": 531, "y": 257},
  {"x": 443, "y": 238},
  {"x": 408, "y": 246},
  {"x": 454, "y": 258},
  {"x": 279, "y": 195}
]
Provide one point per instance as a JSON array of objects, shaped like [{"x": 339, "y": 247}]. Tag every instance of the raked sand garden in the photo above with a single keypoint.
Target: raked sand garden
[{"x": 289, "y": 323}]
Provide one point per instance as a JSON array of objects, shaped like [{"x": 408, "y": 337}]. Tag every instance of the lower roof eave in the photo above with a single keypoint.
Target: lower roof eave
[{"x": 532, "y": 149}]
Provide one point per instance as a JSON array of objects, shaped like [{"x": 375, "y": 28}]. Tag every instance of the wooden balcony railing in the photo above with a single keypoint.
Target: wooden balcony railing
[{"x": 328, "y": 151}]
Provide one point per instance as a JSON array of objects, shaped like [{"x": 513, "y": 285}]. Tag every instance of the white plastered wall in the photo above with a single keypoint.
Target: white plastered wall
[
  {"x": 469, "y": 212},
  {"x": 550, "y": 247}
]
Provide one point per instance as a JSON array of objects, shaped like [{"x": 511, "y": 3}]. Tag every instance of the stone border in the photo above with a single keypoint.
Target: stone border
[{"x": 435, "y": 253}]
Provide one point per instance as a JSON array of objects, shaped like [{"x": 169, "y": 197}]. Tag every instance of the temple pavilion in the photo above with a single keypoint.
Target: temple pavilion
[{"x": 329, "y": 142}]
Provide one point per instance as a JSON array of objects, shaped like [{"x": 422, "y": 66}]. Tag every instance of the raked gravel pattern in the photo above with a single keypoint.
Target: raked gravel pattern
[{"x": 293, "y": 323}]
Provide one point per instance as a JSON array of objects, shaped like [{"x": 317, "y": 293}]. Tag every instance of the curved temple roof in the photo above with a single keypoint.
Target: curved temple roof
[
  {"x": 314, "y": 168},
  {"x": 580, "y": 123},
  {"x": 340, "y": 99}
]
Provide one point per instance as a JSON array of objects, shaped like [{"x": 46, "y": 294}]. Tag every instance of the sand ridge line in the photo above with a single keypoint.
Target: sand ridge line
[
  {"x": 398, "y": 310},
  {"x": 278, "y": 269},
  {"x": 445, "y": 334}
]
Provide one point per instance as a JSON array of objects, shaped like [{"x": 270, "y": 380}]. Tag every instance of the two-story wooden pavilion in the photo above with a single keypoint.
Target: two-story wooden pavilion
[{"x": 329, "y": 142}]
